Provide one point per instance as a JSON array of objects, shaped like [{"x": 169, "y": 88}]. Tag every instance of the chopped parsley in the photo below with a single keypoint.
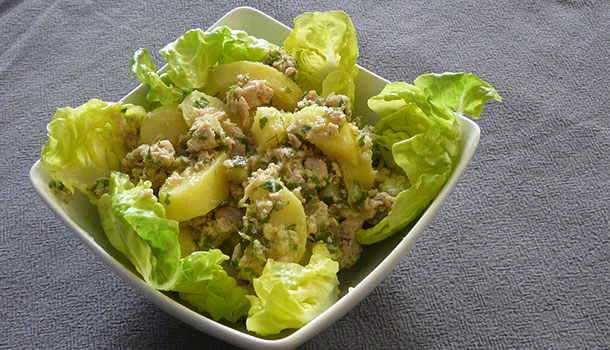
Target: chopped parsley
[
  {"x": 292, "y": 185},
  {"x": 270, "y": 185},
  {"x": 202, "y": 137},
  {"x": 361, "y": 141},
  {"x": 266, "y": 219},
  {"x": 91, "y": 188},
  {"x": 201, "y": 102},
  {"x": 277, "y": 140},
  {"x": 166, "y": 200},
  {"x": 288, "y": 90},
  {"x": 272, "y": 57},
  {"x": 291, "y": 227},
  {"x": 363, "y": 196},
  {"x": 262, "y": 122},
  {"x": 306, "y": 129},
  {"x": 150, "y": 159}
]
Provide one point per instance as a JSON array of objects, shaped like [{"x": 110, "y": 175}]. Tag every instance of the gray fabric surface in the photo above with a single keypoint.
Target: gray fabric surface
[{"x": 518, "y": 256}]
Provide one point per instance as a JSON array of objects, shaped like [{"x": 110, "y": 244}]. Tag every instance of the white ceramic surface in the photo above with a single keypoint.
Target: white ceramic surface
[{"x": 376, "y": 261}]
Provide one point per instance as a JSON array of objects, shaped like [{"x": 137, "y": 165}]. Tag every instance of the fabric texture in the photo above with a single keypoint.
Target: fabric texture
[{"x": 517, "y": 257}]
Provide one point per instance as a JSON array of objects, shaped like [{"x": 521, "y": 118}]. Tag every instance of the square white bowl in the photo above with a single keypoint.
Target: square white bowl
[{"x": 357, "y": 282}]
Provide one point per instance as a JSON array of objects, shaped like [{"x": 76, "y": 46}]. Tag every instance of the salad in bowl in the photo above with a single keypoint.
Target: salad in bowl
[{"x": 247, "y": 180}]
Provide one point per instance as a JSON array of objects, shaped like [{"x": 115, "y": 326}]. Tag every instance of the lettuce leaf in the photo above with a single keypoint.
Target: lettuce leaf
[
  {"x": 326, "y": 48},
  {"x": 135, "y": 224},
  {"x": 86, "y": 143},
  {"x": 161, "y": 91},
  {"x": 205, "y": 285},
  {"x": 190, "y": 57},
  {"x": 289, "y": 295},
  {"x": 239, "y": 46},
  {"x": 419, "y": 134}
]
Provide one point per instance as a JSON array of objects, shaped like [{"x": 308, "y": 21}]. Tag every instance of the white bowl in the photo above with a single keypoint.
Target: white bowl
[{"x": 357, "y": 282}]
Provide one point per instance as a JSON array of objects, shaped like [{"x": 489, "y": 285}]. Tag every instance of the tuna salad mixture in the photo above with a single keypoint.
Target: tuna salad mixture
[{"x": 291, "y": 168}]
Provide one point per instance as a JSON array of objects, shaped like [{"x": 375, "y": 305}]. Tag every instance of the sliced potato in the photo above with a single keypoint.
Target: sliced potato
[
  {"x": 354, "y": 176},
  {"x": 292, "y": 217},
  {"x": 196, "y": 104},
  {"x": 268, "y": 127},
  {"x": 163, "y": 123},
  {"x": 197, "y": 192},
  {"x": 286, "y": 92},
  {"x": 343, "y": 146}
]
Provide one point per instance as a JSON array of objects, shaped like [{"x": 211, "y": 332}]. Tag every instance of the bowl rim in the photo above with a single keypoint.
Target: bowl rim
[{"x": 227, "y": 333}]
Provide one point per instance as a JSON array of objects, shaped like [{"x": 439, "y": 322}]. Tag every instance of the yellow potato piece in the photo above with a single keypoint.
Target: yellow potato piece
[
  {"x": 361, "y": 175},
  {"x": 286, "y": 92},
  {"x": 291, "y": 216},
  {"x": 268, "y": 127},
  {"x": 197, "y": 104},
  {"x": 197, "y": 192},
  {"x": 343, "y": 146},
  {"x": 163, "y": 123}
]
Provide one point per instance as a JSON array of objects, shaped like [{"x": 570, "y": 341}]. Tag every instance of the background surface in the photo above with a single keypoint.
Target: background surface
[{"x": 518, "y": 256}]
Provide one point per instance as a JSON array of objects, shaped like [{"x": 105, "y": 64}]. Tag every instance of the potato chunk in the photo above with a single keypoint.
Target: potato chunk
[
  {"x": 286, "y": 92},
  {"x": 196, "y": 192},
  {"x": 163, "y": 123},
  {"x": 268, "y": 128},
  {"x": 291, "y": 217},
  {"x": 197, "y": 104},
  {"x": 344, "y": 147},
  {"x": 340, "y": 146}
]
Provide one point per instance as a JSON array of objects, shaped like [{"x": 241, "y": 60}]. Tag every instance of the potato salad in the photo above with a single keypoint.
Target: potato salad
[{"x": 247, "y": 180}]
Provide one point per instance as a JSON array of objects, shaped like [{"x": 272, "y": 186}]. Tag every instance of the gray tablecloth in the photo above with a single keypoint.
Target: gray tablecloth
[{"x": 518, "y": 256}]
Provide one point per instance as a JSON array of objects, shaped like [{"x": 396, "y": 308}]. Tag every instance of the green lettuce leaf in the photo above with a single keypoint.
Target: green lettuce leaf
[
  {"x": 419, "y": 134},
  {"x": 239, "y": 46},
  {"x": 289, "y": 295},
  {"x": 161, "y": 91},
  {"x": 192, "y": 55},
  {"x": 88, "y": 142},
  {"x": 135, "y": 224},
  {"x": 326, "y": 48},
  {"x": 205, "y": 285}
]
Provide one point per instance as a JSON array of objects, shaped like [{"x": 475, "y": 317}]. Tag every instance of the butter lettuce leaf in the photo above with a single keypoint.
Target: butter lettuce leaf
[
  {"x": 135, "y": 224},
  {"x": 160, "y": 90},
  {"x": 190, "y": 56},
  {"x": 419, "y": 134},
  {"x": 87, "y": 142},
  {"x": 326, "y": 48},
  {"x": 205, "y": 285},
  {"x": 289, "y": 295},
  {"x": 239, "y": 46}
]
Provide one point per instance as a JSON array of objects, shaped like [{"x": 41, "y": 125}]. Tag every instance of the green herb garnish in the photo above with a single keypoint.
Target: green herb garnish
[
  {"x": 262, "y": 122},
  {"x": 305, "y": 129},
  {"x": 201, "y": 102}
]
